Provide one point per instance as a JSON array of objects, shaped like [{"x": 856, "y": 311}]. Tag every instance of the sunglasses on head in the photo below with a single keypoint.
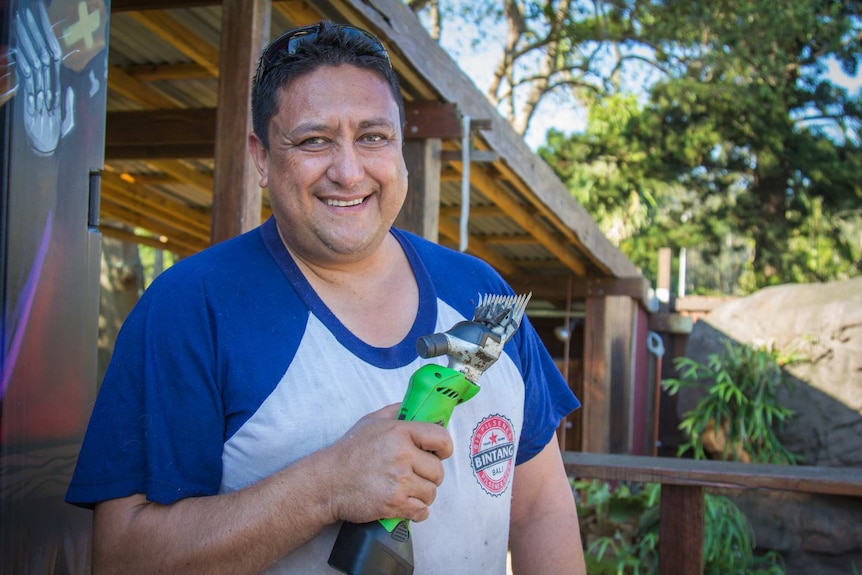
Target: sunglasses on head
[{"x": 289, "y": 42}]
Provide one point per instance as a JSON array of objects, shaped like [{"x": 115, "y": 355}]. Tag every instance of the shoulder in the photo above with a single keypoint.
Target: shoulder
[
  {"x": 222, "y": 264},
  {"x": 223, "y": 276}
]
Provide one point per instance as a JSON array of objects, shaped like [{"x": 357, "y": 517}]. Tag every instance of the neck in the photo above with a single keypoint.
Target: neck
[{"x": 362, "y": 293}]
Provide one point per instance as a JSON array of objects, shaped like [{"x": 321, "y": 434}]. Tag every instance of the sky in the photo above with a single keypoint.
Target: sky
[{"x": 478, "y": 59}]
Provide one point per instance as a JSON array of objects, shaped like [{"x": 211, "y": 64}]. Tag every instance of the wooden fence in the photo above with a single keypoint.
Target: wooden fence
[{"x": 683, "y": 482}]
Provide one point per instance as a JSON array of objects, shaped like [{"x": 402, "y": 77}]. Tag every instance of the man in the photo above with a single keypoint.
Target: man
[{"x": 250, "y": 404}]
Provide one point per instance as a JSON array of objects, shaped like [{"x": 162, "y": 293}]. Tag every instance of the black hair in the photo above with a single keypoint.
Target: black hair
[{"x": 332, "y": 45}]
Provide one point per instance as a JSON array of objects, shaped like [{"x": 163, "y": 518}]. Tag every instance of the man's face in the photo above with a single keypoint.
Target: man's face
[{"x": 335, "y": 169}]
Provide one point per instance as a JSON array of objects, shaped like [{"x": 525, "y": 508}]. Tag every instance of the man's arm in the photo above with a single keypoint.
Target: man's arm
[
  {"x": 544, "y": 536},
  {"x": 380, "y": 468}
]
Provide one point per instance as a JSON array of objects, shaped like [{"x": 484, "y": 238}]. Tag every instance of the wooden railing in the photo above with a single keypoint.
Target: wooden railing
[{"x": 683, "y": 482}]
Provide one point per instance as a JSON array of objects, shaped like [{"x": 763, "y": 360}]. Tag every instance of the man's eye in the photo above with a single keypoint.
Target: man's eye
[
  {"x": 313, "y": 142},
  {"x": 373, "y": 138}
]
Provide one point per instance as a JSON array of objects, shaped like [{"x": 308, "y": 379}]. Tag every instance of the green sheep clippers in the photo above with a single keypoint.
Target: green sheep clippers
[{"x": 385, "y": 547}]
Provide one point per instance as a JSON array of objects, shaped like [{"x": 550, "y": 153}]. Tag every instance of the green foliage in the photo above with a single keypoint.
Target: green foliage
[
  {"x": 729, "y": 542},
  {"x": 153, "y": 262},
  {"x": 721, "y": 127},
  {"x": 621, "y": 531},
  {"x": 740, "y": 408},
  {"x": 620, "y": 527}
]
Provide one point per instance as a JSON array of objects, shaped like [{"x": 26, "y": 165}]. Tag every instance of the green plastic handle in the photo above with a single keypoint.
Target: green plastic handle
[{"x": 432, "y": 394}]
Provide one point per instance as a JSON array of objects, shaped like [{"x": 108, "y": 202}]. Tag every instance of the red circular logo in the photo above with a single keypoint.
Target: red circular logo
[{"x": 492, "y": 453}]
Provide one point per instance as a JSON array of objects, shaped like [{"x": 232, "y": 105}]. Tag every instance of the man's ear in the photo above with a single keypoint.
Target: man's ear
[{"x": 259, "y": 154}]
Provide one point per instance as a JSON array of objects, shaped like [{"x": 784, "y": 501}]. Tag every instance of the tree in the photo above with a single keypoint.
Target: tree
[
  {"x": 749, "y": 117},
  {"x": 740, "y": 143}
]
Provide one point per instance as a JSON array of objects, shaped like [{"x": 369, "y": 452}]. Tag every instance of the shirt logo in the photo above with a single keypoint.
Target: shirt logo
[{"x": 492, "y": 453}]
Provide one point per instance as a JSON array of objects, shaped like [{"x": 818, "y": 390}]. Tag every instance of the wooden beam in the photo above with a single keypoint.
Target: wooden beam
[
  {"x": 162, "y": 72},
  {"x": 451, "y": 230},
  {"x": 181, "y": 37},
  {"x": 297, "y": 12},
  {"x": 713, "y": 473},
  {"x": 450, "y": 175},
  {"x": 178, "y": 242},
  {"x": 491, "y": 189},
  {"x": 160, "y": 243},
  {"x": 478, "y": 211},
  {"x": 137, "y": 91},
  {"x": 681, "y": 529},
  {"x": 420, "y": 213},
  {"x": 236, "y": 193},
  {"x": 619, "y": 312},
  {"x": 188, "y": 150},
  {"x": 476, "y": 156},
  {"x": 160, "y": 134},
  {"x": 202, "y": 183},
  {"x": 171, "y": 213},
  {"x": 136, "y": 5},
  {"x": 544, "y": 287},
  {"x": 499, "y": 240},
  {"x": 608, "y": 377},
  {"x": 662, "y": 286},
  {"x": 597, "y": 396},
  {"x": 553, "y": 287},
  {"x": 636, "y": 288},
  {"x": 169, "y": 132},
  {"x": 684, "y": 482},
  {"x": 152, "y": 179},
  {"x": 432, "y": 120}
]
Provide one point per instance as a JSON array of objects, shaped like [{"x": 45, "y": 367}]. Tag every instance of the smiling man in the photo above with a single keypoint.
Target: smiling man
[{"x": 249, "y": 408}]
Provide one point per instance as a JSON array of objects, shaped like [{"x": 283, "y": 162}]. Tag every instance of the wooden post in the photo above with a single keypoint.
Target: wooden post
[
  {"x": 597, "y": 397},
  {"x": 608, "y": 376},
  {"x": 620, "y": 325},
  {"x": 662, "y": 288},
  {"x": 236, "y": 194},
  {"x": 421, "y": 211},
  {"x": 681, "y": 530}
]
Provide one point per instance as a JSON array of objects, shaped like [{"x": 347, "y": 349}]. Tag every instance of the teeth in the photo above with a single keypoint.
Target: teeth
[{"x": 343, "y": 203}]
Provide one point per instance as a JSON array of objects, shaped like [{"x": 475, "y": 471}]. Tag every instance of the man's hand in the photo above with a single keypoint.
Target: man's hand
[{"x": 387, "y": 468}]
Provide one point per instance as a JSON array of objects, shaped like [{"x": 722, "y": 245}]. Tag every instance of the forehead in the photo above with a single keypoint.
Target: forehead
[{"x": 337, "y": 92}]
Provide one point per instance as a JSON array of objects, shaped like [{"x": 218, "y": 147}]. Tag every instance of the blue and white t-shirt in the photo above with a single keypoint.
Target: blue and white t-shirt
[{"x": 231, "y": 367}]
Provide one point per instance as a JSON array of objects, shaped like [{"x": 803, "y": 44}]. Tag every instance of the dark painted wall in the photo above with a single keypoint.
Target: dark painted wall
[{"x": 53, "y": 65}]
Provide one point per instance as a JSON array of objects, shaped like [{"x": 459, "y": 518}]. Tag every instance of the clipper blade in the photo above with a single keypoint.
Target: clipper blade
[{"x": 501, "y": 313}]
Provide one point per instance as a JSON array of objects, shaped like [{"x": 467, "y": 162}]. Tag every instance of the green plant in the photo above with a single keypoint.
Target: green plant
[
  {"x": 740, "y": 416},
  {"x": 620, "y": 526},
  {"x": 729, "y": 543}
]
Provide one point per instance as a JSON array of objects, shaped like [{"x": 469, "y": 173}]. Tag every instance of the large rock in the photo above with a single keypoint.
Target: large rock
[{"x": 823, "y": 324}]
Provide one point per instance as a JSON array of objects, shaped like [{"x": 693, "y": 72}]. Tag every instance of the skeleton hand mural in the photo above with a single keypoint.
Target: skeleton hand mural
[{"x": 39, "y": 57}]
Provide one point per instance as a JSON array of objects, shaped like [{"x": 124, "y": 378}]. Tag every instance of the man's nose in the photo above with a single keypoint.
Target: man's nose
[{"x": 346, "y": 168}]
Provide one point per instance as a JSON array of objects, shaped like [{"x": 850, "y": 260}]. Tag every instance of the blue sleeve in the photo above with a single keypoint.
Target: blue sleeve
[{"x": 157, "y": 426}]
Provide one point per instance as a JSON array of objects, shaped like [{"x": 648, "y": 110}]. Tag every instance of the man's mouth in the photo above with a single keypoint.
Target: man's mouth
[{"x": 343, "y": 203}]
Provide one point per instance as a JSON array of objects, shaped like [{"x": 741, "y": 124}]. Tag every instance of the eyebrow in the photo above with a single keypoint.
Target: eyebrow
[{"x": 313, "y": 126}]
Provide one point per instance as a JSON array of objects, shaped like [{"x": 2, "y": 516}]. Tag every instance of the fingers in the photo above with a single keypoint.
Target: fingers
[
  {"x": 388, "y": 468},
  {"x": 431, "y": 437}
]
